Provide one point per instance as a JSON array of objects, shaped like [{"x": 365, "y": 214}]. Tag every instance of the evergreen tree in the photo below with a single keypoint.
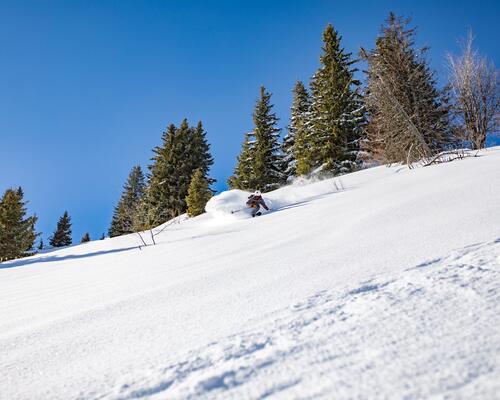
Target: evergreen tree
[
  {"x": 160, "y": 181},
  {"x": 17, "y": 232},
  {"x": 103, "y": 236},
  {"x": 260, "y": 164},
  {"x": 337, "y": 115},
  {"x": 127, "y": 210},
  {"x": 243, "y": 176},
  {"x": 200, "y": 152},
  {"x": 192, "y": 153},
  {"x": 184, "y": 150},
  {"x": 182, "y": 161},
  {"x": 198, "y": 194},
  {"x": 62, "y": 234},
  {"x": 85, "y": 238},
  {"x": 408, "y": 115},
  {"x": 296, "y": 146},
  {"x": 268, "y": 161},
  {"x": 40, "y": 245}
]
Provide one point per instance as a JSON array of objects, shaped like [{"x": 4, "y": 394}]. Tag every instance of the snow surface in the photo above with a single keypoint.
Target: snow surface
[{"x": 384, "y": 283}]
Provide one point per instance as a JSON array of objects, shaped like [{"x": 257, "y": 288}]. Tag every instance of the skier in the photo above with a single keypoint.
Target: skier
[{"x": 254, "y": 202}]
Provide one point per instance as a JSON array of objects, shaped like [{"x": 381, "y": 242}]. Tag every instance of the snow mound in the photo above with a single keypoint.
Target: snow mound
[
  {"x": 229, "y": 203},
  {"x": 232, "y": 202}
]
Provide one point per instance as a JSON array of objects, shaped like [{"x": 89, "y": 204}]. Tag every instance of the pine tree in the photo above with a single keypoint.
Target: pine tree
[
  {"x": 243, "y": 176},
  {"x": 268, "y": 161},
  {"x": 408, "y": 115},
  {"x": 103, "y": 236},
  {"x": 184, "y": 150},
  {"x": 62, "y": 234},
  {"x": 40, "y": 245},
  {"x": 158, "y": 191},
  {"x": 85, "y": 238},
  {"x": 192, "y": 153},
  {"x": 296, "y": 146},
  {"x": 126, "y": 211},
  {"x": 182, "y": 162},
  {"x": 337, "y": 115},
  {"x": 200, "y": 151},
  {"x": 260, "y": 164},
  {"x": 198, "y": 194},
  {"x": 17, "y": 232}
]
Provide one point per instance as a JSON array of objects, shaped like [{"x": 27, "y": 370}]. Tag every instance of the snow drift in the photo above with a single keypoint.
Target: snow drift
[
  {"x": 383, "y": 284},
  {"x": 232, "y": 202}
]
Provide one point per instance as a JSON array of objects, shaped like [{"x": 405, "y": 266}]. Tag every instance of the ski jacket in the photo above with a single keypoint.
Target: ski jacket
[{"x": 254, "y": 201}]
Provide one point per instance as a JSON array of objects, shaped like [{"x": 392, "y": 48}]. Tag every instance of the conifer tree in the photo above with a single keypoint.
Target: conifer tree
[
  {"x": 200, "y": 151},
  {"x": 103, "y": 236},
  {"x": 192, "y": 153},
  {"x": 17, "y": 232},
  {"x": 268, "y": 161},
  {"x": 408, "y": 115},
  {"x": 182, "y": 161},
  {"x": 296, "y": 146},
  {"x": 184, "y": 150},
  {"x": 198, "y": 194},
  {"x": 243, "y": 176},
  {"x": 40, "y": 245},
  {"x": 337, "y": 115},
  {"x": 260, "y": 164},
  {"x": 62, "y": 234},
  {"x": 85, "y": 238},
  {"x": 127, "y": 210},
  {"x": 160, "y": 181}
]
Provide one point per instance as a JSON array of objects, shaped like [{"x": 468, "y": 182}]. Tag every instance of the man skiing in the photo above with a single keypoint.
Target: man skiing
[{"x": 254, "y": 202}]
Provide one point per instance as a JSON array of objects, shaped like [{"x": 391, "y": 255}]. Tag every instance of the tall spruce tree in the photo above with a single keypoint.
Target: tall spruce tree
[
  {"x": 17, "y": 232},
  {"x": 62, "y": 234},
  {"x": 200, "y": 152},
  {"x": 182, "y": 162},
  {"x": 260, "y": 164},
  {"x": 408, "y": 115},
  {"x": 126, "y": 211},
  {"x": 296, "y": 146},
  {"x": 243, "y": 176},
  {"x": 268, "y": 161},
  {"x": 160, "y": 181},
  {"x": 198, "y": 194},
  {"x": 337, "y": 115},
  {"x": 184, "y": 151}
]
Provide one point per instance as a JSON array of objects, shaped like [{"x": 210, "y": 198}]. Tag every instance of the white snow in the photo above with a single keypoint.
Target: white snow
[{"x": 384, "y": 284}]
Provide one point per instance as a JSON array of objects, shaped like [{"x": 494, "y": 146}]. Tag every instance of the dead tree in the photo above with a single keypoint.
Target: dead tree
[
  {"x": 475, "y": 90},
  {"x": 408, "y": 116}
]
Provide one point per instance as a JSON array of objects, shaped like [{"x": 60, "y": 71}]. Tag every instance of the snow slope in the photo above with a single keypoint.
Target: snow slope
[{"x": 384, "y": 283}]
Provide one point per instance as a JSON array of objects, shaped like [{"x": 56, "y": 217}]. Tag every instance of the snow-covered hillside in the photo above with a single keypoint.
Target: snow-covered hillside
[{"x": 384, "y": 283}]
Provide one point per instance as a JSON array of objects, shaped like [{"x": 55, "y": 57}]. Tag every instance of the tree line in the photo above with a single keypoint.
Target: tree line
[{"x": 337, "y": 125}]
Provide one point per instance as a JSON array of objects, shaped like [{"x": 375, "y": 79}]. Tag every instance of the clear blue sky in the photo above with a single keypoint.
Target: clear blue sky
[{"x": 87, "y": 87}]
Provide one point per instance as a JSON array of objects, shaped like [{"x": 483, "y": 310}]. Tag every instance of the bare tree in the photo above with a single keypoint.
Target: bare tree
[{"x": 475, "y": 90}]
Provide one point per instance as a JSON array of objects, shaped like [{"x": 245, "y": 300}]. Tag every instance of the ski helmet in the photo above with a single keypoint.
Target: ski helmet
[{"x": 257, "y": 193}]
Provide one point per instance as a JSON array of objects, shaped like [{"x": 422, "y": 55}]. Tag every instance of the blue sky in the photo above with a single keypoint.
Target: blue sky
[{"x": 87, "y": 87}]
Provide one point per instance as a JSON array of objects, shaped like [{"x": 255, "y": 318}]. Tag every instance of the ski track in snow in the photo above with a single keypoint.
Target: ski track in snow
[{"x": 415, "y": 334}]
